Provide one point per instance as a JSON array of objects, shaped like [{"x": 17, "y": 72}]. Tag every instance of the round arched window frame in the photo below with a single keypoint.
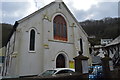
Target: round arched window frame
[
  {"x": 32, "y": 40},
  {"x": 60, "y": 28}
]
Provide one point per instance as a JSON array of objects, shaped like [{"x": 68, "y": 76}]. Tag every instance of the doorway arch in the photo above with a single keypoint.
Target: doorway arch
[{"x": 60, "y": 61}]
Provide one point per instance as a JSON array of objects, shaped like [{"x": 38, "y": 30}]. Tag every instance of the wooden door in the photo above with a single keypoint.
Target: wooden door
[{"x": 60, "y": 61}]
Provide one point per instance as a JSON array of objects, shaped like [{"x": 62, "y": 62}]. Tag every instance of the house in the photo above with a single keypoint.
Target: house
[
  {"x": 113, "y": 50},
  {"x": 105, "y": 41},
  {"x": 48, "y": 38}
]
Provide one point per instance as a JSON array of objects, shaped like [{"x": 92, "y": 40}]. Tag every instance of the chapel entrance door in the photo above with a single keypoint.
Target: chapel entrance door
[{"x": 60, "y": 61}]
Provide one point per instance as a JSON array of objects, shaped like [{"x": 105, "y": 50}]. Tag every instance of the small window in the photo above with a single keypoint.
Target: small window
[
  {"x": 81, "y": 44},
  {"x": 32, "y": 40}
]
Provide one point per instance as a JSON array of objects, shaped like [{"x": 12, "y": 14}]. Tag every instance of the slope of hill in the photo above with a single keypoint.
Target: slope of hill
[{"x": 104, "y": 28}]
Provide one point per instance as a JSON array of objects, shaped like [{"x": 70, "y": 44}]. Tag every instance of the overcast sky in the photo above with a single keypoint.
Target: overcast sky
[{"x": 13, "y": 10}]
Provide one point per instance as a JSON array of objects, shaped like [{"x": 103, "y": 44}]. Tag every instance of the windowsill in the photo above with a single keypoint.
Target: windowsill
[
  {"x": 32, "y": 51},
  {"x": 60, "y": 41}
]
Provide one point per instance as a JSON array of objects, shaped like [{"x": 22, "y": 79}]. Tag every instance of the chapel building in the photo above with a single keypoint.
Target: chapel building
[{"x": 46, "y": 39}]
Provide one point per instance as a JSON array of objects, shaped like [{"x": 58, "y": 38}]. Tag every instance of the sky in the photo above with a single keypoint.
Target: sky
[{"x": 14, "y": 10}]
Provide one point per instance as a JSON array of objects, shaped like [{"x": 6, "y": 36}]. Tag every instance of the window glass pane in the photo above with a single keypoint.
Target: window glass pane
[
  {"x": 48, "y": 72},
  {"x": 61, "y": 72},
  {"x": 60, "y": 31},
  {"x": 32, "y": 40},
  {"x": 65, "y": 31},
  {"x": 65, "y": 71},
  {"x": 81, "y": 45},
  {"x": 54, "y": 24}
]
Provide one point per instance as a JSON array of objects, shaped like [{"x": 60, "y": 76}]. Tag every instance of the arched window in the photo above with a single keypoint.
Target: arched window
[
  {"x": 60, "y": 28},
  {"x": 81, "y": 44},
  {"x": 32, "y": 40}
]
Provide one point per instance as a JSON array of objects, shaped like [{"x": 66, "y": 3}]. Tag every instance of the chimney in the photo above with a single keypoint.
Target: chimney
[{"x": 58, "y": 1}]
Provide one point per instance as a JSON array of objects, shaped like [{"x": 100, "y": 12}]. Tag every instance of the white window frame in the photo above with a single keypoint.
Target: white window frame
[{"x": 29, "y": 40}]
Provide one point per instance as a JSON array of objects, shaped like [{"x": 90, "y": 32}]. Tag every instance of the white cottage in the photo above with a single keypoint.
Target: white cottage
[{"x": 46, "y": 39}]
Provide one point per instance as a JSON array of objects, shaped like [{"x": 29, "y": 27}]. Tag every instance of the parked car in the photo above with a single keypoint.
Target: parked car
[
  {"x": 56, "y": 71},
  {"x": 96, "y": 73}
]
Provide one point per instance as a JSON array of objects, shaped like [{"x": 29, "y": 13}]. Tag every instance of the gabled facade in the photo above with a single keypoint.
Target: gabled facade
[{"x": 49, "y": 38}]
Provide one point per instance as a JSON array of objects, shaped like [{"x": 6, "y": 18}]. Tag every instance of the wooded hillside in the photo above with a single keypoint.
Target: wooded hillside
[
  {"x": 107, "y": 28},
  {"x": 6, "y": 29}
]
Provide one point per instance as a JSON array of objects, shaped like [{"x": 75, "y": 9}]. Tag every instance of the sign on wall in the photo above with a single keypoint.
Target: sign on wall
[{"x": 71, "y": 64}]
